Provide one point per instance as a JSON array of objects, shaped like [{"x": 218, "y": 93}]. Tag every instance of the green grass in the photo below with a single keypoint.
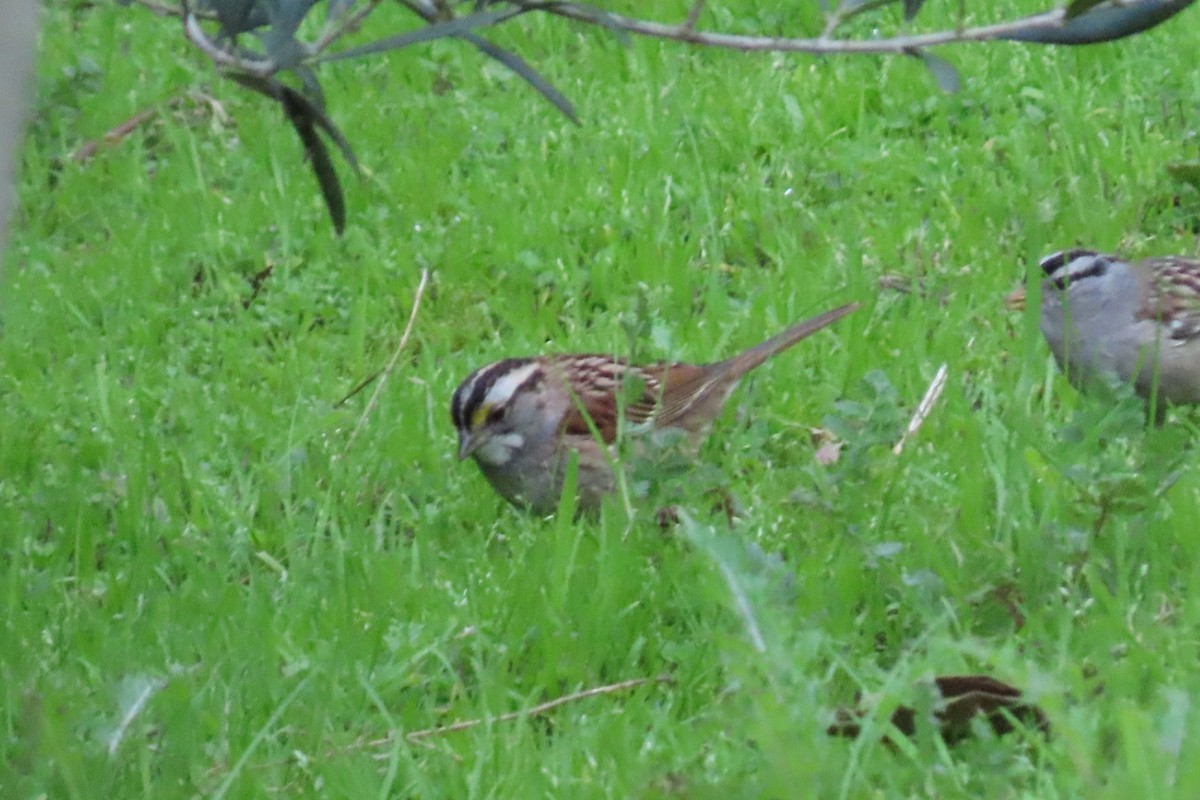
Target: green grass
[{"x": 184, "y": 516}]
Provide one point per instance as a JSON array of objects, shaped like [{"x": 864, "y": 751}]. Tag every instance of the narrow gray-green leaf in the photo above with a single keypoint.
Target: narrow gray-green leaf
[
  {"x": 1102, "y": 24},
  {"x": 238, "y": 16},
  {"x": 1077, "y": 7},
  {"x": 288, "y": 14},
  {"x": 282, "y": 47},
  {"x": 279, "y": 40},
  {"x": 277, "y": 90},
  {"x": 312, "y": 87},
  {"x": 531, "y": 76},
  {"x": 942, "y": 70},
  {"x": 306, "y": 118},
  {"x": 337, "y": 8},
  {"x": 438, "y": 30},
  {"x": 299, "y": 114}
]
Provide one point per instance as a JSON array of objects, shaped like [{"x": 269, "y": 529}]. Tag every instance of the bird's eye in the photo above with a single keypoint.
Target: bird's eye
[{"x": 495, "y": 415}]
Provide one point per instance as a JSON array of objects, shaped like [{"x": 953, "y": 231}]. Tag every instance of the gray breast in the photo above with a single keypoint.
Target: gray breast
[{"x": 1091, "y": 327}]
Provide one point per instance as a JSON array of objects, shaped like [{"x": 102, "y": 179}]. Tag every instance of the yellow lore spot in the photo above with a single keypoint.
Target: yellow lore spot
[{"x": 480, "y": 416}]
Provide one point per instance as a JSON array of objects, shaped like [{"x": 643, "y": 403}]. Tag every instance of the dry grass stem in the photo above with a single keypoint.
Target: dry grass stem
[
  {"x": 383, "y": 375},
  {"x": 923, "y": 408},
  {"x": 533, "y": 711}
]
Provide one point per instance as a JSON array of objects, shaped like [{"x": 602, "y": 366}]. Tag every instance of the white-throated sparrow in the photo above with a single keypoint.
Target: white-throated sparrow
[
  {"x": 1138, "y": 320},
  {"x": 521, "y": 417}
]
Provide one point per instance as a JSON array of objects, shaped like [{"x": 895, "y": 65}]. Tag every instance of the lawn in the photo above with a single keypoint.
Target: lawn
[{"x": 220, "y": 582}]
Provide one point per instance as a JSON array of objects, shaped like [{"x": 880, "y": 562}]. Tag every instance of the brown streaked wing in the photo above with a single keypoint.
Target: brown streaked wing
[
  {"x": 1175, "y": 299},
  {"x": 603, "y": 413},
  {"x": 597, "y": 381},
  {"x": 686, "y": 386}
]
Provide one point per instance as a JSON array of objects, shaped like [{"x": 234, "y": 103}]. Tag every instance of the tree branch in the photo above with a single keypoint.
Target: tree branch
[
  {"x": 1149, "y": 11},
  {"x": 1111, "y": 20},
  {"x": 259, "y": 68},
  {"x": 348, "y": 24}
]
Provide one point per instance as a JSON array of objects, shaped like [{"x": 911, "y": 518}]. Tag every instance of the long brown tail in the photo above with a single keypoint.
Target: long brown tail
[
  {"x": 708, "y": 386},
  {"x": 744, "y": 362}
]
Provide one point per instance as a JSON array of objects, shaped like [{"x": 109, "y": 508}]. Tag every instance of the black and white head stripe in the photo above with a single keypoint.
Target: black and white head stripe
[
  {"x": 1064, "y": 268},
  {"x": 491, "y": 387}
]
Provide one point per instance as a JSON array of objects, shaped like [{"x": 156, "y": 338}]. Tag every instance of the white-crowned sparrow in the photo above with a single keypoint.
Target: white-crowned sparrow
[
  {"x": 1137, "y": 320},
  {"x": 521, "y": 417}
]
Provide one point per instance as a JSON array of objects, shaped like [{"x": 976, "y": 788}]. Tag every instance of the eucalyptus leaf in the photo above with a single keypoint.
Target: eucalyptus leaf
[
  {"x": 942, "y": 70},
  {"x": 238, "y": 16},
  {"x": 526, "y": 72},
  {"x": 309, "y": 120},
  {"x": 322, "y": 121},
  {"x": 437, "y": 30},
  {"x": 282, "y": 47},
  {"x": 279, "y": 40},
  {"x": 336, "y": 9},
  {"x": 299, "y": 114},
  {"x": 277, "y": 90},
  {"x": 1102, "y": 23},
  {"x": 288, "y": 14},
  {"x": 1077, "y": 7},
  {"x": 312, "y": 87}
]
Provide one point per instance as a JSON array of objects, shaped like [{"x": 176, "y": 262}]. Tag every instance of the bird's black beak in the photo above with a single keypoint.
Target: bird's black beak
[{"x": 467, "y": 444}]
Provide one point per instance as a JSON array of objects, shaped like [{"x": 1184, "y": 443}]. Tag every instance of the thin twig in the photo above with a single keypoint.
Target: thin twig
[
  {"x": 694, "y": 15},
  {"x": 533, "y": 711},
  {"x": 821, "y": 46},
  {"x": 847, "y": 11},
  {"x": 88, "y": 149},
  {"x": 167, "y": 10},
  {"x": 349, "y": 24},
  {"x": 214, "y": 105},
  {"x": 825, "y": 44},
  {"x": 412, "y": 317},
  {"x": 923, "y": 408},
  {"x": 259, "y": 67}
]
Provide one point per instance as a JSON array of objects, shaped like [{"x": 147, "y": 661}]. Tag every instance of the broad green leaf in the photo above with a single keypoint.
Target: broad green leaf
[{"x": 1186, "y": 172}]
